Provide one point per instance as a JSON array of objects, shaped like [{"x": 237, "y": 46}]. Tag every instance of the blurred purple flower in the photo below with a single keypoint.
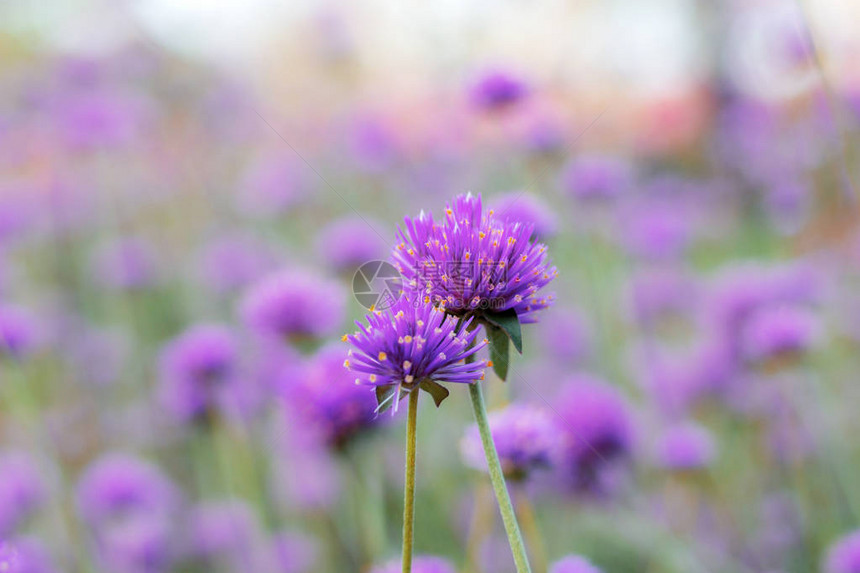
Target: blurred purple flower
[
  {"x": 231, "y": 262},
  {"x": 374, "y": 143},
  {"x": 100, "y": 117},
  {"x": 225, "y": 533},
  {"x": 118, "y": 487},
  {"x": 20, "y": 332},
  {"x": 327, "y": 399},
  {"x": 25, "y": 555},
  {"x": 660, "y": 292},
  {"x": 272, "y": 185},
  {"x": 143, "y": 544},
  {"x": 199, "y": 372},
  {"x": 596, "y": 177},
  {"x": 22, "y": 490},
  {"x": 655, "y": 229},
  {"x": 411, "y": 343},
  {"x": 565, "y": 335},
  {"x": 844, "y": 555},
  {"x": 471, "y": 261},
  {"x": 597, "y": 426},
  {"x": 126, "y": 264},
  {"x": 686, "y": 446},
  {"x": 524, "y": 207},
  {"x": 347, "y": 243},
  {"x": 778, "y": 331},
  {"x": 294, "y": 305},
  {"x": 497, "y": 90},
  {"x": 420, "y": 564},
  {"x": 294, "y": 553},
  {"x": 526, "y": 438},
  {"x": 573, "y": 564}
]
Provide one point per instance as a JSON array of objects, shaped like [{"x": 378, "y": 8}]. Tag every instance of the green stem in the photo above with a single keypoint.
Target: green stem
[
  {"x": 409, "y": 487},
  {"x": 515, "y": 538},
  {"x": 531, "y": 530}
]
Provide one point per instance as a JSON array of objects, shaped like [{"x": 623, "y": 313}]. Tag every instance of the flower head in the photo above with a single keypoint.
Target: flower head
[
  {"x": 347, "y": 243},
  {"x": 527, "y": 208},
  {"x": 686, "y": 447},
  {"x": 293, "y": 304},
  {"x": 526, "y": 438},
  {"x": 470, "y": 262},
  {"x": 411, "y": 343},
  {"x": 497, "y": 90},
  {"x": 196, "y": 368},
  {"x": 574, "y": 564},
  {"x": 779, "y": 330},
  {"x": 22, "y": 490},
  {"x": 844, "y": 555},
  {"x": 326, "y": 399},
  {"x": 594, "y": 177},
  {"x": 20, "y": 332}
]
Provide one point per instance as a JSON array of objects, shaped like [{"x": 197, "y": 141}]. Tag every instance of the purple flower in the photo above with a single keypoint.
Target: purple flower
[
  {"x": 226, "y": 534},
  {"x": 686, "y": 446},
  {"x": 412, "y": 343},
  {"x": 656, "y": 229},
  {"x": 25, "y": 555},
  {"x": 326, "y": 399},
  {"x": 470, "y": 262},
  {"x": 198, "y": 371},
  {"x": 497, "y": 90},
  {"x": 22, "y": 490},
  {"x": 294, "y": 305},
  {"x": 143, "y": 544},
  {"x": 573, "y": 564},
  {"x": 373, "y": 143},
  {"x": 597, "y": 426},
  {"x": 126, "y": 264},
  {"x": 657, "y": 293},
  {"x": 119, "y": 487},
  {"x": 526, "y": 438},
  {"x": 293, "y": 553},
  {"x": 100, "y": 117},
  {"x": 20, "y": 333},
  {"x": 595, "y": 177},
  {"x": 231, "y": 262},
  {"x": 565, "y": 336},
  {"x": 844, "y": 555},
  {"x": 272, "y": 185},
  {"x": 420, "y": 564},
  {"x": 523, "y": 207},
  {"x": 348, "y": 243},
  {"x": 778, "y": 331}
]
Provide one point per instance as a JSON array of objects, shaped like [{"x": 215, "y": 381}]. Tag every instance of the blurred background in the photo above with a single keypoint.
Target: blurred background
[{"x": 188, "y": 188}]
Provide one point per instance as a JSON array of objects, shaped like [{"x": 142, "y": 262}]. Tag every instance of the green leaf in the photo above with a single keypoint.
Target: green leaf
[
  {"x": 436, "y": 390},
  {"x": 508, "y": 321},
  {"x": 385, "y": 398},
  {"x": 499, "y": 350}
]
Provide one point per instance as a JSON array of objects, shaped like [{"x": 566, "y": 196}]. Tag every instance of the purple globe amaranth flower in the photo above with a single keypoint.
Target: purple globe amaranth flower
[
  {"x": 565, "y": 336},
  {"x": 844, "y": 555},
  {"x": 420, "y": 564},
  {"x": 526, "y": 438},
  {"x": 272, "y": 185},
  {"x": 471, "y": 262},
  {"x": 597, "y": 424},
  {"x": 226, "y": 533},
  {"x": 524, "y": 207},
  {"x": 779, "y": 331},
  {"x": 198, "y": 369},
  {"x": 294, "y": 305},
  {"x": 231, "y": 262},
  {"x": 125, "y": 264},
  {"x": 20, "y": 332},
  {"x": 119, "y": 486},
  {"x": 497, "y": 90},
  {"x": 596, "y": 177},
  {"x": 411, "y": 344},
  {"x": 25, "y": 555},
  {"x": 347, "y": 243},
  {"x": 326, "y": 398},
  {"x": 574, "y": 564},
  {"x": 22, "y": 490},
  {"x": 293, "y": 552},
  {"x": 686, "y": 446}
]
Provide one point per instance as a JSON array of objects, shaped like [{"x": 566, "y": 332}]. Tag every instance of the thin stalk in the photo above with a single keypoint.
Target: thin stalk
[
  {"x": 497, "y": 478},
  {"x": 409, "y": 487}
]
